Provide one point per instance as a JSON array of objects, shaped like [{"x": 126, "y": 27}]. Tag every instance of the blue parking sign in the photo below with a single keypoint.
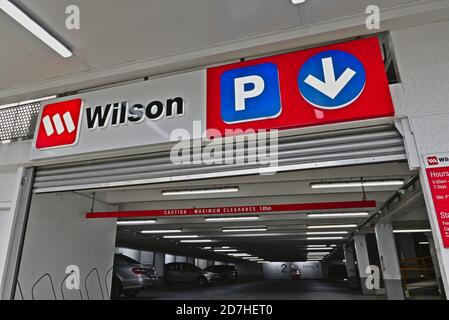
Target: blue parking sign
[{"x": 250, "y": 93}]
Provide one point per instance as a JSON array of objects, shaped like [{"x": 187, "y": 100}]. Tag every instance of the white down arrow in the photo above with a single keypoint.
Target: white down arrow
[{"x": 331, "y": 87}]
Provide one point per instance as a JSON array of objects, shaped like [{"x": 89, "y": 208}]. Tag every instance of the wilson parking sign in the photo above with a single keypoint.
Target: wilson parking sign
[{"x": 337, "y": 83}]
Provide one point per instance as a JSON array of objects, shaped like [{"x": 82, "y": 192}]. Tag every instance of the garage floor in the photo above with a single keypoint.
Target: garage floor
[{"x": 258, "y": 290}]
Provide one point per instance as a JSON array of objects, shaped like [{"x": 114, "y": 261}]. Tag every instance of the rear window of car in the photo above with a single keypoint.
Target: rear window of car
[{"x": 126, "y": 259}]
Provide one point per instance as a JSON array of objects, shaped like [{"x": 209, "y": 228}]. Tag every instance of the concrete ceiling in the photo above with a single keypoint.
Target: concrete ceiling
[
  {"x": 286, "y": 238},
  {"x": 121, "y": 40}
]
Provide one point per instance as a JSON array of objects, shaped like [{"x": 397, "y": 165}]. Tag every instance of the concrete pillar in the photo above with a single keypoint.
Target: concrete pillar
[
  {"x": 159, "y": 263},
  {"x": 351, "y": 267},
  {"x": 435, "y": 263},
  {"x": 363, "y": 263},
  {"x": 389, "y": 261}
]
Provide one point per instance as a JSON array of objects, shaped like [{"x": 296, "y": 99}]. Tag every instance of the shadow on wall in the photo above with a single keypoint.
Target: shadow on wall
[
  {"x": 62, "y": 246},
  {"x": 89, "y": 289}
]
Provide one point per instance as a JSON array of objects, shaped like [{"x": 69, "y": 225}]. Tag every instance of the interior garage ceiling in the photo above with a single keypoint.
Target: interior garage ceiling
[
  {"x": 121, "y": 40},
  {"x": 286, "y": 237}
]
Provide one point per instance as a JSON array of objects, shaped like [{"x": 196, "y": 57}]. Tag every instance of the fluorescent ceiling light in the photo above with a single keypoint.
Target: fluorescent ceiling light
[
  {"x": 412, "y": 231},
  {"x": 357, "y": 184},
  {"x": 246, "y": 230},
  {"x": 225, "y": 250},
  {"x": 325, "y": 238},
  {"x": 29, "y": 24},
  {"x": 199, "y": 191},
  {"x": 316, "y": 246},
  {"x": 263, "y": 262},
  {"x": 326, "y": 233},
  {"x": 318, "y": 249},
  {"x": 196, "y": 241},
  {"x": 232, "y": 219},
  {"x": 335, "y": 226},
  {"x": 298, "y": 1},
  {"x": 239, "y": 255},
  {"x": 135, "y": 222},
  {"x": 317, "y": 253},
  {"x": 181, "y": 237},
  {"x": 160, "y": 231},
  {"x": 338, "y": 215},
  {"x": 333, "y": 245},
  {"x": 226, "y": 247},
  {"x": 424, "y": 243},
  {"x": 207, "y": 248}
]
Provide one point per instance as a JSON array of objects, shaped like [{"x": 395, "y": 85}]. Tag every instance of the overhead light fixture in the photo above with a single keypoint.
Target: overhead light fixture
[
  {"x": 160, "y": 231},
  {"x": 324, "y": 238},
  {"x": 225, "y": 250},
  {"x": 135, "y": 222},
  {"x": 25, "y": 21},
  {"x": 319, "y": 249},
  {"x": 317, "y": 253},
  {"x": 334, "y": 226},
  {"x": 181, "y": 237},
  {"x": 232, "y": 219},
  {"x": 424, "y": 243},
  {"x": 298, "y": 1},
  {"x": 226, "y": 247},
  {"x": 199, "y": 191},
  {"x": 262, "y": 262},
  {"x": 333, "y": 245},
  {"x": 316, "y": 246},
  {"x": 246, "y": 230},
  {"x": 412, "y": 231},
  {"x": 239, "y": 255},
  {"x": 357, "y": 184},
  {"x": 338, "y": 215},
  {"x": 207, "y": 248},
  {"x": 326, "y": 233},
  {"x": 196, "y": 241}
]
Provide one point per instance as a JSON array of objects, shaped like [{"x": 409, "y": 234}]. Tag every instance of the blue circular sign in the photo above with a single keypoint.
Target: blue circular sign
[{"x": 332, "y": 80}]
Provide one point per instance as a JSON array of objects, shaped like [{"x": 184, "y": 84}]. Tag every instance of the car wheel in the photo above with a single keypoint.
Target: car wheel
[
  {"x": 201, "y": 281},
  {"x": 130, "y": 293},
  {"x": 116, "y": 290}
]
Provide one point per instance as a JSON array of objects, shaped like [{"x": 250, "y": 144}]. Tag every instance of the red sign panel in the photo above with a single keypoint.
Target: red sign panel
[
  {"x": 331, "y": 84},
  {"x": 235, "y": 210},
  {"x": 438, "y": 177},
  {"x": 59, "y": 124}
]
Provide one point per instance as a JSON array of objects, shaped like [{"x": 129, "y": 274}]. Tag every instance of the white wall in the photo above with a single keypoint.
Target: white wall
[
  {"x": 422, "y": 54},
  {"x": 9, "y": 192},
  {"x": 58, "y": 235}
]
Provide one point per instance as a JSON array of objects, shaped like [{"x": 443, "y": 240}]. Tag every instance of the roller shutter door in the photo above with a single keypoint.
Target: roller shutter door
[{"x": 339, "y": 148}]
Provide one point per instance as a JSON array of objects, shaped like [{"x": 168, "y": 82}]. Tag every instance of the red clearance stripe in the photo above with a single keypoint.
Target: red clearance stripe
[{"x": 234, "y": 210}]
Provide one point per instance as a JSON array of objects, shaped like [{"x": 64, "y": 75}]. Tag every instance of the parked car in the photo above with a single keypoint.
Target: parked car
[
  {"x": 130, "y": 277},
  {"x": 226, "y": 273},
  {"x": 296, "y": 274},
  {"x": 179, "y": 272}
]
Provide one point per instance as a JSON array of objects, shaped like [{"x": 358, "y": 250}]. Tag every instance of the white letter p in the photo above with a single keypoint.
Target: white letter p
[{"x": 241, "y": 94}]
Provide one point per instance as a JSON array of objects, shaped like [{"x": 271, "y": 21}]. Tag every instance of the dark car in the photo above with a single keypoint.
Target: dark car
[
  {"x": 130, "y": 277},
  {"x": 226, "y": 273},
  {"x": 180, "y": 272}
]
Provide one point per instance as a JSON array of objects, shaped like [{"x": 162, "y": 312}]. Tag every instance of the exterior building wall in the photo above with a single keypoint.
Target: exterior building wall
[{"x": 423, "y": 62}]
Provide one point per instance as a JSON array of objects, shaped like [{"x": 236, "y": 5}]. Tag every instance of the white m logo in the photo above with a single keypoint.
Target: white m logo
[{"x": 56, "y": 123}]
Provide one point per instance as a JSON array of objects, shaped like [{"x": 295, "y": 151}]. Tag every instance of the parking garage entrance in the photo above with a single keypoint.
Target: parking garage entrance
[
  {"x": 306, "y": 185},
  {"x": 298, "y": 234}
]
